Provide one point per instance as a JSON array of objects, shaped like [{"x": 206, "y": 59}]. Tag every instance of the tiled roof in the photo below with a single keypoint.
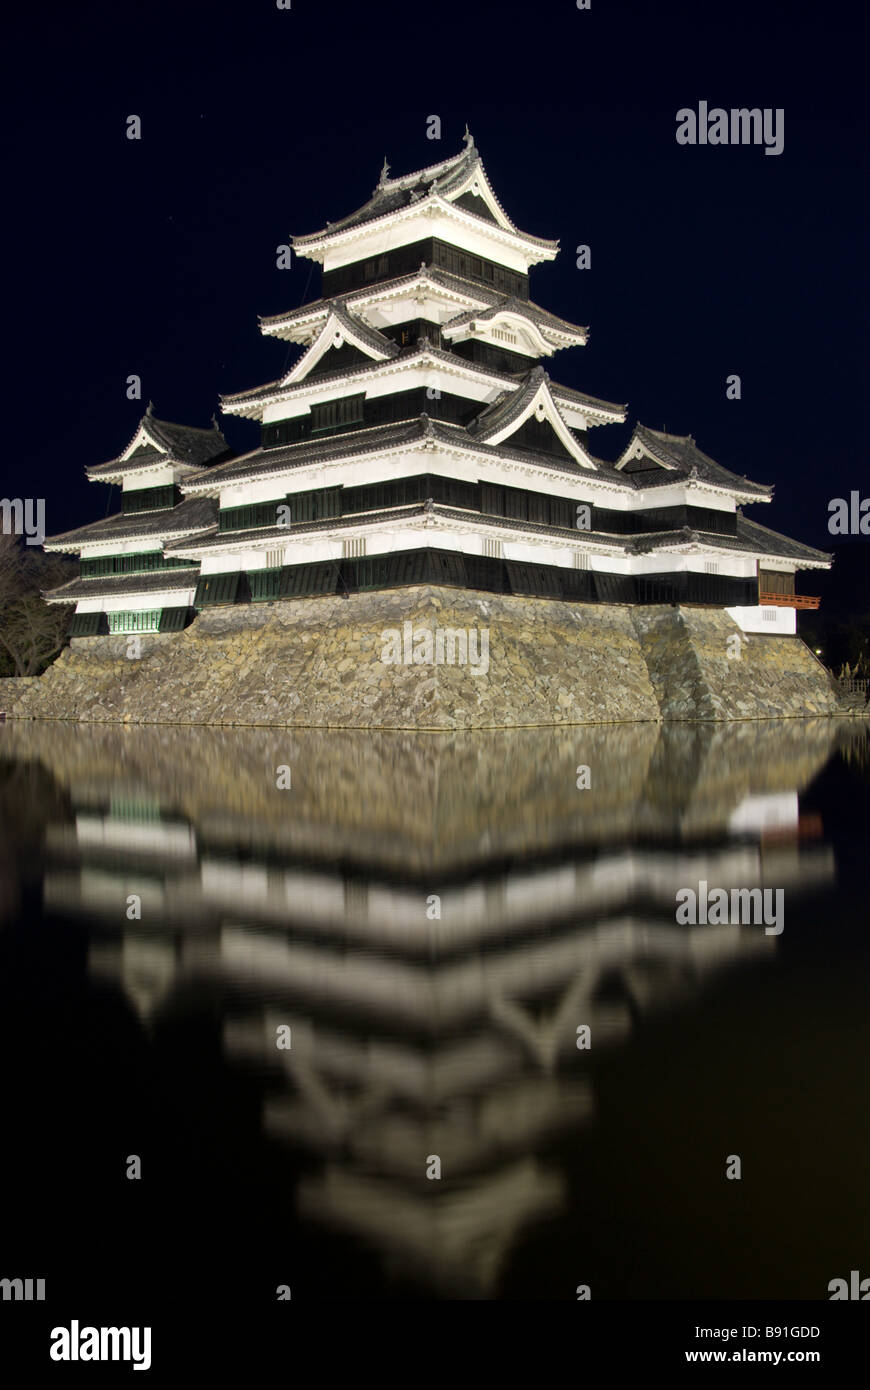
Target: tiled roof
[
  {"x": 394, "y": 195},
  {"x": 507, "y": 407},
  {"x": 185, "y": 445},
  {"x": 193, "y": 514},
  {"x": 442, "y": 278},
  {"x": 750, "y": 537},
  {"x": 349, "y": 444},
  {"x": 492, "y": 301},
  {"x": 108, "y": 586},
  {"x": 602, "y": 538},
  {"x": 361, "y": 330},
  {"x": 511, "y": 405},
  {"x": 679, "y": 453},
  {"x": 186, "y": 442},
  {"x": 269, "y": 535},
  {"x": 358, "y": 374},
  {"x": 581, "y": 398},
  {"x": 773, "y": 543},
  {"x": 260, "y": 463},
  {"x": 542, "y": 318},
  {"x": 143, "y": 457}
]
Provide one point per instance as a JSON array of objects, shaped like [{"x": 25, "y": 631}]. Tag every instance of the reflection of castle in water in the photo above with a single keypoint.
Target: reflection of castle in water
[{"x": 415, "y": 1035}]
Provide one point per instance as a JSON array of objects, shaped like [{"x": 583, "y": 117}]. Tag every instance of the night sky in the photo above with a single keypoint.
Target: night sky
[{"x": 155, "y": 257}]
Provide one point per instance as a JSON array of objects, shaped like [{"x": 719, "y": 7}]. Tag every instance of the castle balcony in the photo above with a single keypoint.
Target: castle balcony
[{"x": 787, "y": 600}]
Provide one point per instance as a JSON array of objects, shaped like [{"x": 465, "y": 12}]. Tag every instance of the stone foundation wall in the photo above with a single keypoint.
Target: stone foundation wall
[
  {"x": 11, "y": 690},
  {"x": 694, "y": 677},
  {"x": 319, "y": 662}
]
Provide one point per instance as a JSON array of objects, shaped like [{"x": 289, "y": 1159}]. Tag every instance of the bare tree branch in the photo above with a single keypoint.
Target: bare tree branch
[{"x": 32, "y": 631}]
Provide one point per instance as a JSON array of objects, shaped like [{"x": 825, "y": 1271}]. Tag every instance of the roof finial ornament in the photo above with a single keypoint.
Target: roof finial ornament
[
  {"x": 384, "y": 172},
  {"x": 468, "y": 138},
  {"x": 214, "y": 422},
  {"x": 150, "y": 408}
]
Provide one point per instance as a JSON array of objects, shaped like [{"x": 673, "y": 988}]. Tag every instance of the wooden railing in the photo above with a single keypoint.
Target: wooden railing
[{"x": 789, "y": 600}]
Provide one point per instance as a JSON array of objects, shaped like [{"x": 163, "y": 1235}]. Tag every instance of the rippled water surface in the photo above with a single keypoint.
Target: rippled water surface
[{"x": 433, "y": 918}]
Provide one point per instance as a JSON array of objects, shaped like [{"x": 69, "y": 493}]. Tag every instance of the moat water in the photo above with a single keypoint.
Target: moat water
[{"x": 471, "y": 945}]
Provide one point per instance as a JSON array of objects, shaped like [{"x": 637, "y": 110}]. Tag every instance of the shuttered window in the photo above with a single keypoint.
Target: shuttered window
[
  {"x": 265, "y": 584},
  {"x": 98, "y": 566},
  {"x": 217, "y": 588},
  {"x": 317, "y": 505},
  {"x": 250, "y": 517},
  {"x": 175, "y": 619},
  {"x": 297, "y": 581},
  {"x": 541, "y": 580},
  {"x": 88, "y": 625},
  {"x": 332, "y": 415},
  {"x": 150, "y": 499}
]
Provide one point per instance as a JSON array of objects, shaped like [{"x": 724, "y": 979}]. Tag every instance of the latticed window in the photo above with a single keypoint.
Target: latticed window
[
  {"x": 96, "y": 566},
  {"x": 334, "y": 414},
  {"x": 352, "y": 548},
  {"x": 581, "y": 560},
  {"x": 251, "y": 516},
  {"x": 142, "y": 620},
  {"x": 495, "y": 549},
  {"x": 461, "y": 262},
  {"x": 711, "y": 567},
  {"x": 274, "y": 558},
  {"x": 150, "y": 499}
]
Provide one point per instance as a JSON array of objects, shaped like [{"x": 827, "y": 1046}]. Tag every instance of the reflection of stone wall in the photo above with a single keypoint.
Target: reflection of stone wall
[
  {"x": 317, "y": 662},
  {"x": 411, "y": 800}
]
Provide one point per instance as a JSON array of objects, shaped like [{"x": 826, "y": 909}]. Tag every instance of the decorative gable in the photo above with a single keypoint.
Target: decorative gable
[
  {"x": 472, "y": 202},
  {"x": 638, "y": 457},
  {"x": 339, "y": 333},
  {"x": 531, "y": 404},
  {"x": 143, "y": 440}
]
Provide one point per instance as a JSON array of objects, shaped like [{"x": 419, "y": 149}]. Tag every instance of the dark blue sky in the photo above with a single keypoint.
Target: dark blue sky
[{"x": 156, "y": 257}]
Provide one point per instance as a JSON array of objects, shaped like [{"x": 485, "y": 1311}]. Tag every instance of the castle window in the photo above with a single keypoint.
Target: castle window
[
  {"x": 494, "y": 549},
  {"x": 333, "y": 415},
  {"x": 353, "y": 548},
  {"x": 146, "y": 621}
]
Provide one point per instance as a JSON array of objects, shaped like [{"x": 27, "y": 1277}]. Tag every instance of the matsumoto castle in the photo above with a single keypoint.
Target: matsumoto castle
[{"x": 421, "y": 437}]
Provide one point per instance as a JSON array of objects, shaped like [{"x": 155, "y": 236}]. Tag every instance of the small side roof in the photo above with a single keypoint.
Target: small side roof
[
  {"x": 192, "y": 515},
  {"x": 158, "y": 443},
  {"x": 678, "y": 453}
]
